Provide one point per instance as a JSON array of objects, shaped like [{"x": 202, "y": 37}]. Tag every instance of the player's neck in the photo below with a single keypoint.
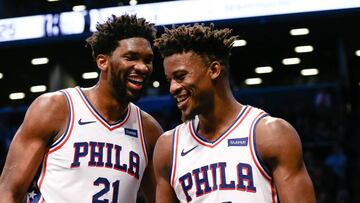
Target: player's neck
[
  {"x": 105, "y": 104},
  {"x": 219, "y": 119}
]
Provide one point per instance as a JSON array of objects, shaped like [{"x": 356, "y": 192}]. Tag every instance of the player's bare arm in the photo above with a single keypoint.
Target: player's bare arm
[
  {"x": 152, "y": 131},
  {"x": 43, "y": 122},
  {"x": 280, "y": 148},
  {"x": 162, "y": 162}
]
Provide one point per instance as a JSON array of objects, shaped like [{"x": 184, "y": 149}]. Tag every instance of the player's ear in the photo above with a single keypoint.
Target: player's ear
[
  {"x": 102, "y": 61},
  {"x": 215, "y": 69}
]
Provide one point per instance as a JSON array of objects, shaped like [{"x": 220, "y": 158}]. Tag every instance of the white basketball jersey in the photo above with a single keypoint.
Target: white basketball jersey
[
  {"x": 227, "y": 170},
  {"x": 94, "y": 161}
]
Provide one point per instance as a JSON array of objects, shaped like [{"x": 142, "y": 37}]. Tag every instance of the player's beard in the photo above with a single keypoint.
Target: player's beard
[{"x": 122, "y": 93}]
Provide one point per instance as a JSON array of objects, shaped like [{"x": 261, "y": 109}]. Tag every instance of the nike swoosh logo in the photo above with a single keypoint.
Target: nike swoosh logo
[
  {"x": 183, "y": 153},
  {"x": 80, "y": 122}
]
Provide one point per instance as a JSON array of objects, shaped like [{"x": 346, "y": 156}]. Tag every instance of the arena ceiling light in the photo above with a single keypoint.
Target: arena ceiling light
[
  {"x": 263, "y": 69},
  {"x": 39, "y": 61},
  {"x": 52, "y": 0},
  {"x": 1, "y": 75},
  {"x": 133, "y": 2},
  {"x": 309, "y": 72},
  {"x": 299, "y": 31},
  {"x": 253, "y": 81},
  {"x": 304, "y": 49},
  {"x": 239, "y": 43},
  {"x": 78, "y": 8},
  {"x": 17, "y": 95},
  {"x": 357, "y": 52},
  {"x": 167, "y": 13},
  {"x": 38, "y": 88},
  {"x": 291, "y": 61},
  {"x": 90, "y": 75},
  {"x": 156, "y": 84}
]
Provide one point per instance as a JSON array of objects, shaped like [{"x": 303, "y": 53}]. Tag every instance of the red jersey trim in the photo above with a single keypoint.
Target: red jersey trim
[
  {"x": 64, "y": 138},
  {"x": 175, "y": 152},
  {"x": 242, "y": 115},
  {"x": 262, "y": 170},
  {"x": 93, "y": 111},
  {"x": 142, "y": 138}
]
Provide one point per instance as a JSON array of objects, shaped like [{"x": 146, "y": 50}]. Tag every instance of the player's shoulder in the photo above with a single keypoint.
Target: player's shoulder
[
  {"x": 148, "y": 118},
  {"x": 166, "y": 139},
  {"x": 152, "y": 129},
  {"x": 163, "y": 148},
  {"x": 168, "y": 134},
  {"x": 47, "y": 114},
  {"x": 51, "y": 101},
  {"x": 275, "y": 135},
  {"x": 274, "y": 125},
  {"x": 150, "y": 123}
]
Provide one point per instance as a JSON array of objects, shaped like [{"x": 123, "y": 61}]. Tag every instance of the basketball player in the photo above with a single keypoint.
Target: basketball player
[
  {"x": 224, "y": 151},
  {"x": 94, "y": 144}
]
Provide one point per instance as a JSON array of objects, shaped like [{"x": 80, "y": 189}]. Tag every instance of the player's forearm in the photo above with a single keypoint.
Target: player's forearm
[{"x": 9, "y": 197}]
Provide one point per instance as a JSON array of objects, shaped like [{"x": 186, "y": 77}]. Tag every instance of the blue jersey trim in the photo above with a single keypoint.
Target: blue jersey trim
[
  {"x": 98, "y": 114},
  {"x": 172, "y": 156},
  {"x": 243, "y": 110},
  {"x": 143, "y": 133},
  {"x": 261, "y": 162},
  {"x": 68, "y": 122}
]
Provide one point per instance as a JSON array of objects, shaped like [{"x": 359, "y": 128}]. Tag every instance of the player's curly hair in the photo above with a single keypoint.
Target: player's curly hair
[
  {"x": 105, "y": 39},
  {"x": 208, "y": 42}
]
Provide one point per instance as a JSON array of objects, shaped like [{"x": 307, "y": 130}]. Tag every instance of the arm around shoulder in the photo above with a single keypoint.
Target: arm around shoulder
[
  {"x": 280, "y": 148},
  {"x": 162, "y": 162},
  {"x": 43, "y": 120}
]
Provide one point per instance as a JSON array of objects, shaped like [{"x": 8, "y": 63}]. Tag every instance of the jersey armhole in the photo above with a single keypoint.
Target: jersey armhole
[
  {"x": 172, "y": 167},
  {"x": 70, "y": 123},
  {"x": 142, "y": 133},
  {"x": 260, "y": 164},
  {"x": 62, "y": 139}
]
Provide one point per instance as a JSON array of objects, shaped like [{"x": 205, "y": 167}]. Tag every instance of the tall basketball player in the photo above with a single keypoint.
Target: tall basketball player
[
  {"x": 94, "y": 144},
  {"x": 224, "y": 151}
]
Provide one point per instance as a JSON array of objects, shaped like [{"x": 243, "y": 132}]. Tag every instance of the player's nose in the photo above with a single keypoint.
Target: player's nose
[
  {"x": 143, "y": 67},
  {"x": 174, "y": 87}
]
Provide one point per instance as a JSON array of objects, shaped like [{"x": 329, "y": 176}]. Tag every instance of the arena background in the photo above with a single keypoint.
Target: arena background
[{"x": 322, "y": 102}]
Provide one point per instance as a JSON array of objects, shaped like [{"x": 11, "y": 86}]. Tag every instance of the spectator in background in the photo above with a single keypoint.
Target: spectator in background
[
  {"x": 337, "y": 161},
  {"x": 323, "y": 99}
]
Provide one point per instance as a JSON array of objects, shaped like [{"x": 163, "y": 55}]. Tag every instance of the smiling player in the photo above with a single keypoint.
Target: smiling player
[
  {"x": 224, "y": 151},
  {"x": 94, "y": 144}
]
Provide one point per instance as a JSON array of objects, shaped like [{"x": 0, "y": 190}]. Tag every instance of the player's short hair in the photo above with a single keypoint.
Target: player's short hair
[
  {"x": 206, "y": 41},
  {"x": 108, "y": 34}
]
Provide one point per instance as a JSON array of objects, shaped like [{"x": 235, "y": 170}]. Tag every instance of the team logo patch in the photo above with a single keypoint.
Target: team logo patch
[
  {"x": 131, "y": 132},
  {"x": 238, "y": 142}
]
